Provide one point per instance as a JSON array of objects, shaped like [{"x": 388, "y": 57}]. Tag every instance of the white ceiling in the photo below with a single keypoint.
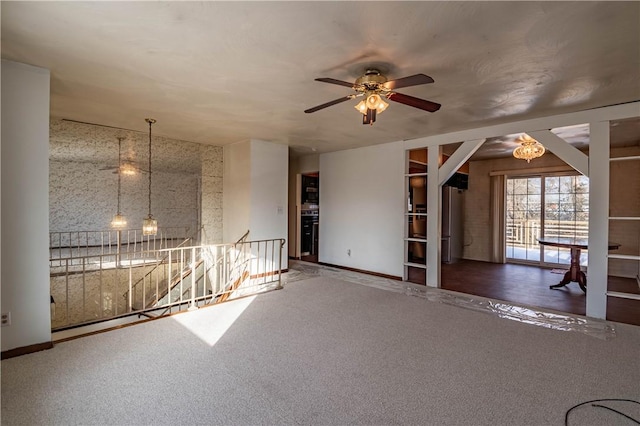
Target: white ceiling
[{"x": 221, "y": 72}]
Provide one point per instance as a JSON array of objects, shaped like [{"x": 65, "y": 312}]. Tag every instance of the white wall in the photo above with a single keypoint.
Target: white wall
[
  {"x": 256, "y": 191},
  {"x": 361, "y": 201},
  {"x": 269, "y": 192},
  {"x": 25, "y": 205},
  {"x": 236, "y": 195}
]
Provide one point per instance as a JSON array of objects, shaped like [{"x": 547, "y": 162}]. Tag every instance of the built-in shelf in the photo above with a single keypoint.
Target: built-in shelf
[
  {"x": 634, "y": 157},
  {"x": 416, "y": 265},
  {"x": 623, "y": 295},
  {"x": 624, "y": 256}
]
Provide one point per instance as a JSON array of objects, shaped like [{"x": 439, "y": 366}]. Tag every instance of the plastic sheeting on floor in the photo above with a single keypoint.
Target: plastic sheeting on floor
[{"x": 557, "y": 321}]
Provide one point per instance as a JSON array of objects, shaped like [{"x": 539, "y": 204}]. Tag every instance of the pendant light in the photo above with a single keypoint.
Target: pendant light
[
  {"x": 119, "y": 220},
  {"x": 150, "y": 225}
]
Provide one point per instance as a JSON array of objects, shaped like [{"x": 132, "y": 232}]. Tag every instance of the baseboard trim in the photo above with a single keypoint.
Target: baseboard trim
[
  {"x": 269, "y": 274},
  {"x": 24, "y": 350},
  {"x": 362, "y": 271}
]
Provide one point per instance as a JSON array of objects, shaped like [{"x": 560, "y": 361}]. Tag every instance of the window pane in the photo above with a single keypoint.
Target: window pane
[
  {"x": 551, "y": 185},
  {"x": 533, "y": 185},
  {"x": 519, "y": 186},
  {"x": 582, "y": 184},
  {"x": 566, "y": 184}
]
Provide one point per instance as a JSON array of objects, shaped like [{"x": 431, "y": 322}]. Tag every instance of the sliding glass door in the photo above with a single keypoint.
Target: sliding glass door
[{"x": 549, "y": 207}]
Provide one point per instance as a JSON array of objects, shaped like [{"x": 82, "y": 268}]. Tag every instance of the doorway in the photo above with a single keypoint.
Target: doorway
[{"x": 309, "y": 216}]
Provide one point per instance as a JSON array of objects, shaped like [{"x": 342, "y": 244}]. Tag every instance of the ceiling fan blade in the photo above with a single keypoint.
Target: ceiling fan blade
[
  {"x": 328, "y": 104},
  {"x": 334, "y": 81},
  {"x": 412, "y": 80},
  {"x": 414, "y": 102}
]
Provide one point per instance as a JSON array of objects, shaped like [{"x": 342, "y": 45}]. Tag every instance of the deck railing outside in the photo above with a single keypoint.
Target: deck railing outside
[
  {"x": 526, "y": 232},
  {"x": 522, "y": 240}
]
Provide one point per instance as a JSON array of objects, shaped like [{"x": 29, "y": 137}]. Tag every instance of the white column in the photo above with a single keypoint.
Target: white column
[
  {"x": 434, "y": 206},
  {"x": 598, "y": 219}
]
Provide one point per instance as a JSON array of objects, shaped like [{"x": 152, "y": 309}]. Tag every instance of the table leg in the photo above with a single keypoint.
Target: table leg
[
  {"x": 574, "y": 273},
  {"x": 582, "y": 281},
  {"x": 565, "y": 280}
]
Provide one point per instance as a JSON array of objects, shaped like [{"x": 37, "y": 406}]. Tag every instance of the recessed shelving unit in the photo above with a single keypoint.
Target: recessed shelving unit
[{"x": 626, "y": 218}]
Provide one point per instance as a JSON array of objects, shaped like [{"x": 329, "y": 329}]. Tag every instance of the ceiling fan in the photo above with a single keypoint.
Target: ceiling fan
[
  {"x": 126, "y": 168},
  {"x": 373, "y": 87}
]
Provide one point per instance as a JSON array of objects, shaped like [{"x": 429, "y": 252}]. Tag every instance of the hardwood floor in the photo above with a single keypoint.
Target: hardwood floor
[
  {"x": 310, "y": 258},
  {"x": 529, "y": 285}
]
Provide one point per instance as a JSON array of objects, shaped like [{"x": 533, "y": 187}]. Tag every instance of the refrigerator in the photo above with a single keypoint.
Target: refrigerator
[{"x": 452, "y": 224}]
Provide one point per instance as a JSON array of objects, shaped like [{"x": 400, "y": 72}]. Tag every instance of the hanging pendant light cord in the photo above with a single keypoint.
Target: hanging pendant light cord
[{"x": 150, "y": 121}]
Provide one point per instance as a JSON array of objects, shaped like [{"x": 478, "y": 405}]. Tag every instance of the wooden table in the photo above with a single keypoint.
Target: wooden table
[{"x": 574, "y": 273}]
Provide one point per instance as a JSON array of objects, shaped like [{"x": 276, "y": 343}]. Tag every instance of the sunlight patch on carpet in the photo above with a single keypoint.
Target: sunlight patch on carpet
[{"x": 210, "y": 324}]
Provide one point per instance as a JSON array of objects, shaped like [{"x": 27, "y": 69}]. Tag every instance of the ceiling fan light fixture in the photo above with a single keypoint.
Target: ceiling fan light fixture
[
  {"x": 128, "y": 169},
  {"x": 382, "y": 105},
  {"x": 374, "y": 87},
  {"x": 373, "y": 101},
  {"x": 361, "y": 107},
  {"x": 529, "y": 148}
]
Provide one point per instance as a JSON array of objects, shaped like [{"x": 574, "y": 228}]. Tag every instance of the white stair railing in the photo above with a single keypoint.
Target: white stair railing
[
  {"x": 128, "y": 243},
  {"x": 97, "y": 288}
]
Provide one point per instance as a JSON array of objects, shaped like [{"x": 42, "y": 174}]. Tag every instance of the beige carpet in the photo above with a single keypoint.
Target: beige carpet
[{"x": 327, "y": 352}]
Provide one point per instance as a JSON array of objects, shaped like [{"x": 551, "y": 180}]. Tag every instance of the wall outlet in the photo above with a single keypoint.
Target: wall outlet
[
  {"x": 5, "y": 319},
  {"x": 348, "y": 252}
]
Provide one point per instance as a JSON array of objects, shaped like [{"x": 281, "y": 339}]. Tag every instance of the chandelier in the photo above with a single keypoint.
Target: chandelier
[
  {"x": 529, "y": 148},
  {"x": 119, "y": 220},
  {"x": 150, "y": 225}
]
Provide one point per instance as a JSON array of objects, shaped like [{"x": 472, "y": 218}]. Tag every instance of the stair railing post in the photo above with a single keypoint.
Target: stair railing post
[
  {"x": 169, "y": 278},
  {"x": 130, "y": 308},
  {"x": 279, "y": 286},
  {"x": 193, "y": 306},
  {"x": 118, "y": 249}
]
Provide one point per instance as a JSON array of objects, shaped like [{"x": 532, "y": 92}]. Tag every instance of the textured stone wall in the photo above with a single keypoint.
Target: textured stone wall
[
  {"x": 212, "y": 172},
  {"x": 186, "y": 191},
  {"x": 83, "y": 185}
]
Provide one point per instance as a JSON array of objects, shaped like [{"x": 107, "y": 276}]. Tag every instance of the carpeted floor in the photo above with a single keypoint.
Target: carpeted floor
[{"x": 328, "y": 352}]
